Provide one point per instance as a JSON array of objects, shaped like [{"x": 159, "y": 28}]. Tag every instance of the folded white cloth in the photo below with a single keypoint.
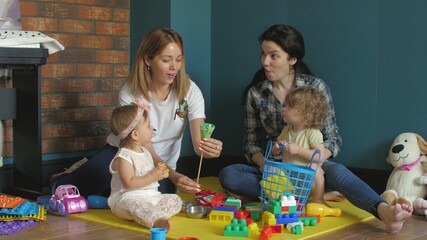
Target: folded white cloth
[{"x": 34, "y": 39}]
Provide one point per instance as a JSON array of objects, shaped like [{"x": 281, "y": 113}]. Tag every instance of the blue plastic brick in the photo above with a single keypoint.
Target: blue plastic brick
[{"x": 286, "y": 218}]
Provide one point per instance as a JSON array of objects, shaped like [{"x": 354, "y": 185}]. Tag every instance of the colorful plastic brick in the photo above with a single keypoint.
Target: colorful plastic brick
[
  {"x": 268, "y": 218},
  {"x": 243, "y": 214},
  {"x": 286, "y": 218},
  {"x": 255, "y": 215},
  {"x": 253, "y": 230},
  {"x": 288, "y": 203},
  {"x": 266, "y": 233},
  {"x": 302, "y": 216},
  {"x": 288, "y": 200},
  {"x": 251, "y": 207},
  {"x": 276, "y": 228},
  {"x": 308, "y": 221},
  {"x": 295, "y": 228},
  {"x": 237, "y": 228},
  {"x": 220, "y": 216},
  {"x": 274, "y": 206},
  {"x": 226, "y": 209},
  {"x": 249, "y": 221},
  {"x": 232, "y": 201}
]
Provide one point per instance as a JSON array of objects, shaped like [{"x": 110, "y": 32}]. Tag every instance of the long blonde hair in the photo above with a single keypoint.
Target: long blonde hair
[{"x": 139, "y": 80}]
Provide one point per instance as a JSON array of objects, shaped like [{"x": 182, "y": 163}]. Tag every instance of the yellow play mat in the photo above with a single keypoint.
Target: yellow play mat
[{"x": 206, "y": 230}]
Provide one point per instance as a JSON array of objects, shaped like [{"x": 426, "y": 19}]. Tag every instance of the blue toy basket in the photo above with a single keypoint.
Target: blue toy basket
[{"x": 281, "y": 179}]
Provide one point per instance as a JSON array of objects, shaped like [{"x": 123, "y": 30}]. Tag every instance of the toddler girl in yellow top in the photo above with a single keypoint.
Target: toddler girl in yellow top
[
  {"x": 134, "y": 184},
  {"x": 304, "y": 111}
]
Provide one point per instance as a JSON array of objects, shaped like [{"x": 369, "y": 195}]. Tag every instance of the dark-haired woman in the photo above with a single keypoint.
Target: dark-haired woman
[{"x": 282, "y": 70}]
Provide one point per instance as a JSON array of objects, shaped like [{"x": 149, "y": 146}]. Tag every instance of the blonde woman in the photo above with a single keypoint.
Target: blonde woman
[{"x": 158, "y": 76}]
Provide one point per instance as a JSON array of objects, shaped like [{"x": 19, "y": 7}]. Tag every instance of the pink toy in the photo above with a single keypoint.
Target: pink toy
[{"x": 67, "y": 200}]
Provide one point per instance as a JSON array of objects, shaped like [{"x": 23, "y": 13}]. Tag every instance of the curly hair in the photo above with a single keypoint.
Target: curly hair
[{"x": 312, "y": 105}]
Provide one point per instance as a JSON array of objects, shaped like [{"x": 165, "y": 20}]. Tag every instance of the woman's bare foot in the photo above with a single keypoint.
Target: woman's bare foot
[
  {"x": 333, "y": 196},
  {"x": 162, "y": 223},
  {"x": 394, "y": 216}
]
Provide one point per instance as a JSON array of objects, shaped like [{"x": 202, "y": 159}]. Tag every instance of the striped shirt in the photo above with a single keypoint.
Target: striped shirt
[{"x": 264, "y": 121}]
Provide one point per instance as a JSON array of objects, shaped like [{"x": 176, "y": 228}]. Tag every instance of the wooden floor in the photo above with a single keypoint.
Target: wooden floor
[{"x": 62, "y": 228}]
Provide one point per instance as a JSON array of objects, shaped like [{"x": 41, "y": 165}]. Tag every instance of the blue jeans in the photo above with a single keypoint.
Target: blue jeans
[
  {"x": 244, "y": 180},
  {"x": 94, "y": 177}
]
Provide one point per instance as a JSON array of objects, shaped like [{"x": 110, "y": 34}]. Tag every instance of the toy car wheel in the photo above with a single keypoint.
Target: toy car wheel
[
  {"x": 61, "y": 209},
  {"x": 52, "y": 204}
]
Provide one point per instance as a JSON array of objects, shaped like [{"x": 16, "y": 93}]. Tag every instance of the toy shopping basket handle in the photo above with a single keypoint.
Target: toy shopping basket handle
[
  {"x": 268, "y": 150},
  {"x": 316, "y": 152}
]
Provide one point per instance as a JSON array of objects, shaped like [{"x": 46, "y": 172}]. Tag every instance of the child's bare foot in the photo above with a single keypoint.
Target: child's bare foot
[
  {"x": 394, "y": 216},
  {"x": 163, "y": 223},
  {"x": 333, "y": 196},
  {"x": 321, "y": 201}
]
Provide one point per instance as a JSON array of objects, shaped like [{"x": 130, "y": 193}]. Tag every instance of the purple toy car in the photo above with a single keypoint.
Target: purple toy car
[{"x": 67, "y": 200}]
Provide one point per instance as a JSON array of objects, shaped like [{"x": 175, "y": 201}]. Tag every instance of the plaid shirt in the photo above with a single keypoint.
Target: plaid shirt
[{"x": 264, "y": 121}]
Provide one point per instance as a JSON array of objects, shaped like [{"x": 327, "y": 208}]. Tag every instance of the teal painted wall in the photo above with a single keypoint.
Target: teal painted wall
[{"x": 370, "y": 53}]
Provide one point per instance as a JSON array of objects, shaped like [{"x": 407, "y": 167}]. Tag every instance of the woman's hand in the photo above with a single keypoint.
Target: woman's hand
[
  {"x": 210, "y": 147},
  {"x": 186, "y": 185}
]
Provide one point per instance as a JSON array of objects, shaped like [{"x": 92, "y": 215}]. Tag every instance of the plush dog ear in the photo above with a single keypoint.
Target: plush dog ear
[{"x": 422, "y": 144}]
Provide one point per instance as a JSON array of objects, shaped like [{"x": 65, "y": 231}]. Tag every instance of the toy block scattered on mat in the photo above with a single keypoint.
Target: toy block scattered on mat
[
  {"x": 237, "y": 228},
  {"x": 226, "y": 209},
  {"x": 295, "y": 228},
  {"x": 286, "y": 218},
  {"x": 220, "y": 216},
  {"x": 252, "y": 207},
  {"x": 255, "y": 215},
  {"x": 309, "y": 220},
  {"x": 232, "y": 201},
  {"x": 253, "y": 230},
  {"x": 268, "y": 218}
]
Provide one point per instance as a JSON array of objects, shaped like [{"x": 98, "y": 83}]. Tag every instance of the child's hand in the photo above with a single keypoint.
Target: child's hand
[
  {"x": 164, "y": 168},
  {"x": 276, "y": 149},
  {"x": 160, "y": 172},
  {"x": 279, "y": 147},
  {"x": 292, "y": 148}
]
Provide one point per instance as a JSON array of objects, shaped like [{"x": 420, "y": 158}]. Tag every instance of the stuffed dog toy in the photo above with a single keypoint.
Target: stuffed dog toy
[{"x": 405, "y": 183}]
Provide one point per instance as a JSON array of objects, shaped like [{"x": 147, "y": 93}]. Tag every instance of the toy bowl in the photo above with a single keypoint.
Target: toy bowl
[
  {"x": 185, "y": 205},
  {"x": 197, "y": 212}
]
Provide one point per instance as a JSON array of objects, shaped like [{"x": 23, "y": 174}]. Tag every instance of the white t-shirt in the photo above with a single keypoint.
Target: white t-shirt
[{"x": 167, "y": 138}]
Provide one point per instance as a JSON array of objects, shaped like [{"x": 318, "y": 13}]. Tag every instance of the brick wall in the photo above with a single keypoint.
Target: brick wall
[{"x": 79, "y": 84}]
